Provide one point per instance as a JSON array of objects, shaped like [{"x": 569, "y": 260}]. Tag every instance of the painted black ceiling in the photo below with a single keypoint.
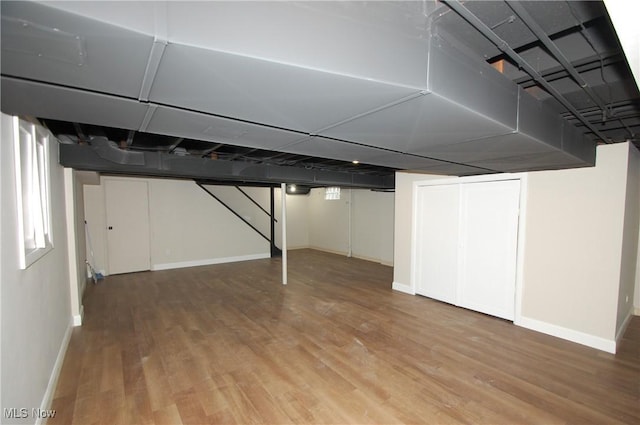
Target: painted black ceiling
[{"x": 580, "y": 74}]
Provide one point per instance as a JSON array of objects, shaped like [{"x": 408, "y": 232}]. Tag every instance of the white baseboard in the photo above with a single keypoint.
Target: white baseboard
[
  {"x": 373, "y": 260},
  {"x": 568, "y": 334},
  {"x": 330, "y": 251},
  {"x": 55, "y": 374},
  {"x": 623, "y": 328},
  {"x": 210, "y": 261},
  {"x": 401, "y": 287},
  {"x": 636, "y": 311},
  {"x": 77, "y": 319}
]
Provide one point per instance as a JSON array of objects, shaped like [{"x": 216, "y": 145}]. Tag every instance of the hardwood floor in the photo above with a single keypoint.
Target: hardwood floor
[{"x": 229, "y": 344}]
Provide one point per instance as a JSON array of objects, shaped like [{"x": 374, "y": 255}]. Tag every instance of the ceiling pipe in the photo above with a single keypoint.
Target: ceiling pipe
[
  {"x": 522, "y": 13},
  {"x": 130, "y": 137},
  {"x": 470, "y": 17}
]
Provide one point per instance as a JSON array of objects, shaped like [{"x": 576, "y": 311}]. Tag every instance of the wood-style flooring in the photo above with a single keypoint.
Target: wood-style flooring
[{"x": 229, "y": 344}]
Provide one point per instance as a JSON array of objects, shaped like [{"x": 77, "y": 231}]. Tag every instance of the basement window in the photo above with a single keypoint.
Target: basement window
[
  {"x": 31, "y": 146},
  {"x": 332, "y": 194}
]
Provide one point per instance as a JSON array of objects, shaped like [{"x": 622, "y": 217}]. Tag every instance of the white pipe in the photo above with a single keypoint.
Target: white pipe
[{"x": 283, "y": 196}]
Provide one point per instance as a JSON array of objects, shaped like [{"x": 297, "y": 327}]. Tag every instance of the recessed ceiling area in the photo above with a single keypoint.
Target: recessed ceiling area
[{"x": 294, "y": 92}]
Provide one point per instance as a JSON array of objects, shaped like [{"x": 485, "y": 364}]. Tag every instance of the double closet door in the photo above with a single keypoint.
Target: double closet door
[{"x": 466, "y": 244}]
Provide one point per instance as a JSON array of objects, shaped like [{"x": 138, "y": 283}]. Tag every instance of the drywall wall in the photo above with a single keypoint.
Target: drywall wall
[
  {"x": 35, "y": 308},
  {"x": 94, "y": 212},
  {"x": 329, "y": 222},
  {"x": 575, "y": 278},
  {"x": 185, "y": 208},
  {"x": 372, "y": 225},
  {"x": 74, "y": 210},
  {"x": 360, "y": 224},
  {"x": 297, "y": 220},
  {"x": 636, "y": 297},
  {"x": 235, "y": 198},
  {"x": 188, "y": 227},
  {"x": 629, "y": 240},
  {"x": 403, "y": 228},
  {"x": 572, "y": 258}
]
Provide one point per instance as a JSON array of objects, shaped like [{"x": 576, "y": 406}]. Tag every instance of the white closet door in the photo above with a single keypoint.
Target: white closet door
[
  {"x": 437, "y": 242},
  {"x": 128, "y": 244},
  {"x": 489, "y": 233}
]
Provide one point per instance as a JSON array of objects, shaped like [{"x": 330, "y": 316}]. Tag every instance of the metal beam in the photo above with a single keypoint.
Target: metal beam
[
  {"x": 253, "y": 201},
  {"x": 479, "y": 25},
  {"x": 175, "y": 144},
  {"x": 130, "y": 137},
  {"x": 110, "y": 159},
  {"x": 555, "y": 51},
  {"x": 233, "y": 212},
  {"x": 581, "y": 65}
]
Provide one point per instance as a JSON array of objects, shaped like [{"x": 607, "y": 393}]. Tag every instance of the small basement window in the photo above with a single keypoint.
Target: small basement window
[
  {"x": 31, "y": 146},
  {"x": 332, "y": 193}
]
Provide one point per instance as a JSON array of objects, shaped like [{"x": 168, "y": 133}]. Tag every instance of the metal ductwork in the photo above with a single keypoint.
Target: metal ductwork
[{"x": 372, "y": 81}]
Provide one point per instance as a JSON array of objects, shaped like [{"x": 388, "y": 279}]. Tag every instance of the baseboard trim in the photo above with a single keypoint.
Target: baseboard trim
[
  {"x": 330, "y": 251},
  {"x": 373, "y": 260},
  {"x": 55, "y": 373},
  {"x": 77, "y": 319},
  {"x": 636, "y": 311},
  {"x": 401, "y": 287},
  {"x": 623, "y": 328},
  {"x": 568, "y": 334},
  {"x": 210, "y": 261}
]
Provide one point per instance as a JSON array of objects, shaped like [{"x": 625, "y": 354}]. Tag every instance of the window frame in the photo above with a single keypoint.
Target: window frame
[
  {"x": 332, "y": 193},
  {"x": 33, "y": 196}
]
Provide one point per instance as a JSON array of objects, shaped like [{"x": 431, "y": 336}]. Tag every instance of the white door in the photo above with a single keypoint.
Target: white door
[
  {"x": 127, "y": 207},
  {"x": 489, "y": 233},
  {"x": 437, "y": 242}
]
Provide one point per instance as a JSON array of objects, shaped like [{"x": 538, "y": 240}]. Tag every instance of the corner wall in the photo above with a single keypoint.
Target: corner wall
[
  {"x": 580, "y": 249},
  {"x": 360, "y": 224},
  {"x": 573, "y": 249},
  {"x": 403, "y": 228},
  {"x": 629, "y": 270},
  {"x": 34, "y": 307},
  {"x": 329, "y": 222},
  {"x": 188, "y": 227}
]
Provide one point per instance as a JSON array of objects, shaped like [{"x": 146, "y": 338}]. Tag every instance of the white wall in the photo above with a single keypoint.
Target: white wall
[
  {"x": 360, "y": 223},
  {"x": 629, "y": 241},
  {"x": 636, "y": 297},
  {"x": 329, "y": 222},
  {"x": 74, "y": 205},
  {"x": 403, "y": 228},
  {"x": 35, "y": 308},
  {"x": 94, "y": 212},
  {"x": 179, "y": 209},
  {"x": 372, "y": 221},
  {"x": 188, "y": 227},
  {"x": 297, "y": 220},
  {"x": 577, "y": 270},
  {"x": 574, "y": 233}
]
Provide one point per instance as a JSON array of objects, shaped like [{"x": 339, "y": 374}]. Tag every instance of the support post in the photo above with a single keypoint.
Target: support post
[
  {"x": 283, "y": 195},
  {"x": 272, "y": 218}
]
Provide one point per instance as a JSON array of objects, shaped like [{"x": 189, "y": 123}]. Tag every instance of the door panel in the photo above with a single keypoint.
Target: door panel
[
  {"x": 127, "y": 208},
  {"x": 488, "y": 229},
  {"x": 437, "y": 242}
]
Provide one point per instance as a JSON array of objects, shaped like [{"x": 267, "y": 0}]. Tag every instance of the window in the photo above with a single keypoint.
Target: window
[
  {"x": 31, "y": 145},
  {"x": 332, "y": 194}
]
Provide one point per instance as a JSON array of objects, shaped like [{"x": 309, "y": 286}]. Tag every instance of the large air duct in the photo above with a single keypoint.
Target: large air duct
[{"x": 350, "y": 81}]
